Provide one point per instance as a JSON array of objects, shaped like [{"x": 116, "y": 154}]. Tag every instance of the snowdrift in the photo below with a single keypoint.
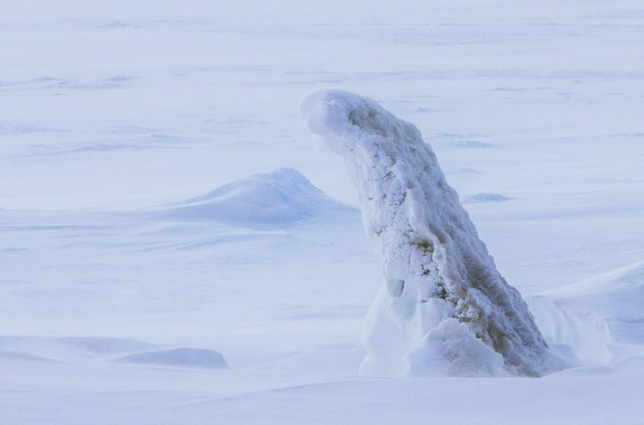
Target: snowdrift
[
  {"x": 281, "y": 197},
  {"x": 179, "y": 357},
  {"x": 616, "y": 296},
  {"x": 443, "y": 308},
  {"x": 576, "y": 332},
  {"x": 72, "y": 348},
  {"x": 116, "y": 350}
]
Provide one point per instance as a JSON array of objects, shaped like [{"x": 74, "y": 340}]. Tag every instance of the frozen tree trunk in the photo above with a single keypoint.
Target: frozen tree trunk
[{"x": 443, "y": 308}]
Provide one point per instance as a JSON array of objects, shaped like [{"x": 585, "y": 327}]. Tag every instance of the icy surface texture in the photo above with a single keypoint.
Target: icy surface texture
[{"x": 443, "y": 308}]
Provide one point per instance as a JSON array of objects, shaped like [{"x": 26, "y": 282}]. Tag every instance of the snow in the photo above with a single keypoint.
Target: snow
[
  {"x": 179, "y": 357},
  {"x": 115, "y": 108},
  {"x": 617, "y": 295},
  {"x": 450, "y": 349},
  {"x": 442, "y": 303},
  {"x": 583, "y": 335},
  {"x": 278, "y": 198}
]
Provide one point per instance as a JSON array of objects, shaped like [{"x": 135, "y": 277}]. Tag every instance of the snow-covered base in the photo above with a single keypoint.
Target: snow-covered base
[{"x": 444, "y": 309}]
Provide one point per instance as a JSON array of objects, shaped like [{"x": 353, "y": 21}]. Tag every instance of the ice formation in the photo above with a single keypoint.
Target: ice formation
[{"x": 443, "y": 308}]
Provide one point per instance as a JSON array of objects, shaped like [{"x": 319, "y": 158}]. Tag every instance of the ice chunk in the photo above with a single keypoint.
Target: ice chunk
[{"x": 442, "y": 301}]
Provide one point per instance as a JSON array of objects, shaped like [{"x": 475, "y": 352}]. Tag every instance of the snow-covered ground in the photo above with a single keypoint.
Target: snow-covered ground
[{"x": 132, "y": 291}]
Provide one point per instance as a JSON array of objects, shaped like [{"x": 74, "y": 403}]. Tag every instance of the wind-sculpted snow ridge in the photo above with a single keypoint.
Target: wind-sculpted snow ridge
[
  {"x": 617, "y": 295},
  {"x": 278, "y": 198},
  {"x": 443, "y": 308},
  {"x": 179, "y": 357}
]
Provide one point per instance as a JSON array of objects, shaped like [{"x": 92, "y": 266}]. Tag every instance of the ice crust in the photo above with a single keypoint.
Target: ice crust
[{"x": 443, "y": 308}]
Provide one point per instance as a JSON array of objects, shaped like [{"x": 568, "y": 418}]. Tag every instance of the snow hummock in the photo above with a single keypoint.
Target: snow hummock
[
  {"x": 277, "y": 198},
  {"x": 72, "y": 348},
  {"x": 443, "y": 308},
  {"x": 573, "y": 330},
  {"x": 114, "y": 350},
  {"x": 179, "y": 357},
  {"x": 617, "y": 295}
]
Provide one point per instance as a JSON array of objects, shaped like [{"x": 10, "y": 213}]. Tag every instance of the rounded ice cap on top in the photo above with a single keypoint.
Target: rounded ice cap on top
[{"x": 345, "y": 118}]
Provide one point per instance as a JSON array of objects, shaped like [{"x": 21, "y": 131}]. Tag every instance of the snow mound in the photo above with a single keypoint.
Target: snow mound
[
  {"x": 119, "y": 350},
  {"x": 443, "y": 308},
  {"x": 179, "y": 357},
  {"x": 278, "y": 198},
  {"x": 16, "y": 355},
  {"x": 71, "y": 348},
  {"x": 617, "y": 296},
  {"x": 576, "y": 332},
  {"x": 452, "y": 350}
]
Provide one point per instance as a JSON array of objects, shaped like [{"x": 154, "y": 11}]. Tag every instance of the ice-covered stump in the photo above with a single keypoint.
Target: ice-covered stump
[{"x": 443, "y": 308}]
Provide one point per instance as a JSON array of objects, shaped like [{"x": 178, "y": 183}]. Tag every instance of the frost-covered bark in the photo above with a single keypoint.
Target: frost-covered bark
[{"x": 443, "y": 308}]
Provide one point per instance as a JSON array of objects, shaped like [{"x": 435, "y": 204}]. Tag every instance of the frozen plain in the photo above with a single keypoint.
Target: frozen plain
[{"x": 123, "y": 272}]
